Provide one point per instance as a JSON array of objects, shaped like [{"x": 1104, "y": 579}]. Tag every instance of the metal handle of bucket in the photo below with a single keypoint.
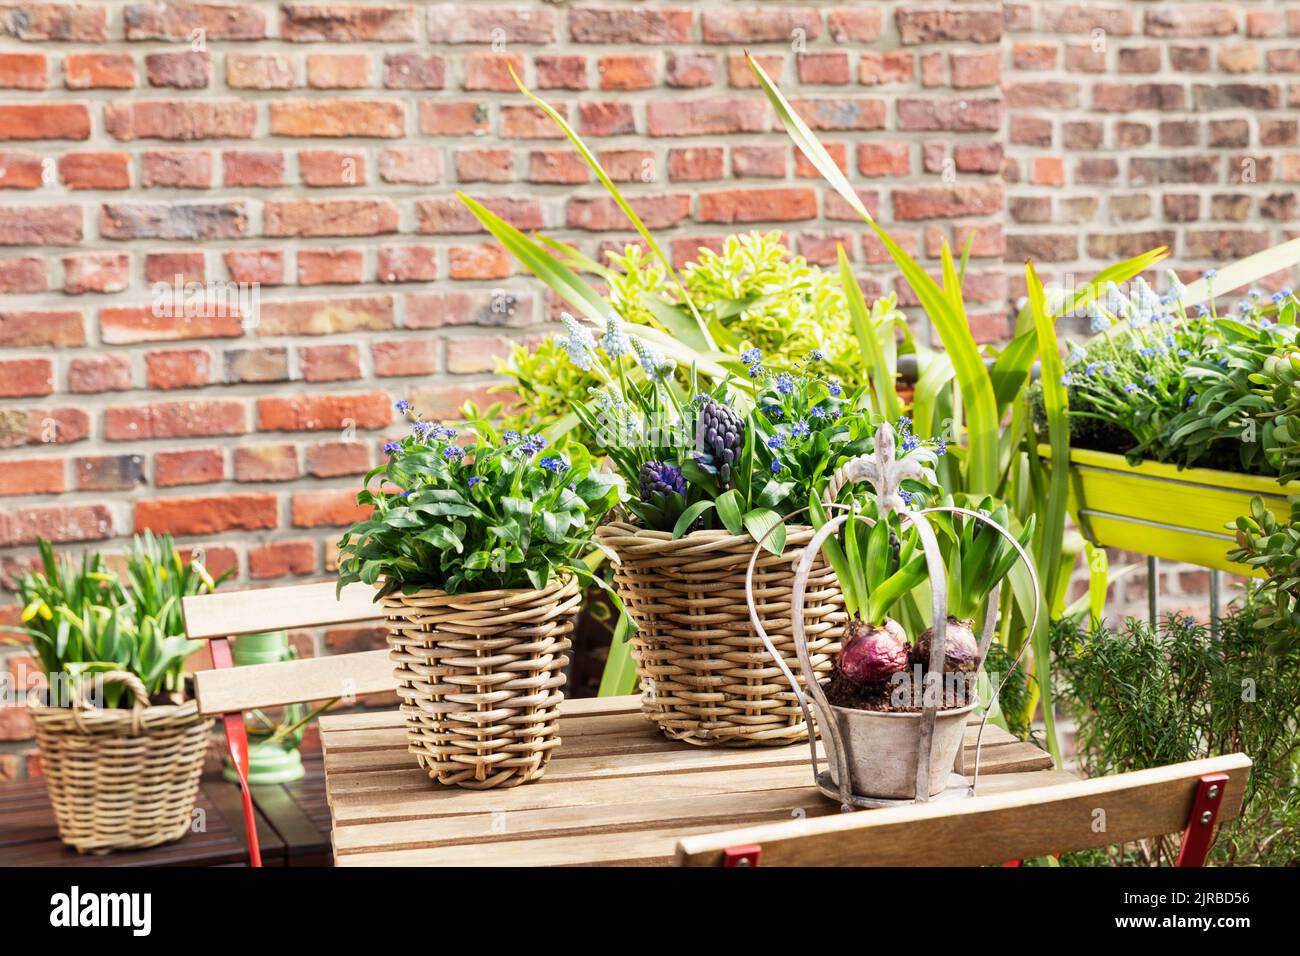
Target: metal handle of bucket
[
  {"x": 800, "y": 643},
  {"x": 829, "y": 727},
  {"x": 990, "y": 620}
]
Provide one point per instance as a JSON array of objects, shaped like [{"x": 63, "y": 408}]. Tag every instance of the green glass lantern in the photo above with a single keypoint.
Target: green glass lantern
[{"x": 273, "y": 755}]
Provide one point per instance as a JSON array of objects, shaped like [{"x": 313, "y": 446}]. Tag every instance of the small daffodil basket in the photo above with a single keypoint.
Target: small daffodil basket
[
  {"x": 878, "y": 759},
  {"x": 707, "y": 677},
  {"x": 121, "y": 778}
]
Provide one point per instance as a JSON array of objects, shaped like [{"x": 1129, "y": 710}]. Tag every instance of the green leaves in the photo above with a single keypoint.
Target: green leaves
[
  {"x": 1056, "y": 403},
  {"x": 1271, "y": 547},
  {"x": 495, "y": 514},
  {"x": 593, "y": 163},
  {"x": 942, "y": 303},
  {"x": 569, "y": 286},
  {"x": 764, "y": 524},
  {"x": 807, "y": 141},
  {"x": 81, "y": 620},
  {"x": 876, "y": 341},
  {"x": 731, "y": 511}
]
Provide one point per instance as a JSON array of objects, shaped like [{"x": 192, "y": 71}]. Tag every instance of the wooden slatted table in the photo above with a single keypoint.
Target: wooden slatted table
[{"x": 616, "y": 792}]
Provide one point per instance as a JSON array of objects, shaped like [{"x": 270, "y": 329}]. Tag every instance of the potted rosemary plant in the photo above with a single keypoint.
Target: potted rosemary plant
[
  {"x": 121, "y": 739},
  {"x": 477, "y": 553}
]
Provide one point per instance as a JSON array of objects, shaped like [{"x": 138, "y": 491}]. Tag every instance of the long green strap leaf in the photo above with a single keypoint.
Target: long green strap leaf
[
  {"x": 882, "y": 380},
  {"x": 972, "y": 377},
  {"x": 590, "y": 159},
  {"x": 1051, "y": 529},
  {"x": 807, "y": 142},
  {"x": 619, "y": 676},
  {"x": 1118, "y": 273},
  {"x": 570, "y": 286},
  {"x": 1056, "y": 403},
  {"x": 1098, "y": 581},
  {"x": 927, "y": 393},
  {"x": 563, "y": 280}
]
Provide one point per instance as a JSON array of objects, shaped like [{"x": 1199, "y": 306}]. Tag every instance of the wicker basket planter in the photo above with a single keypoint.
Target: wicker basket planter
[
  {"x": 122, "y": 779},
  {"x": 1158, "y": 509},
  {"x": 705, "y": 675},
  {"x": 480, "y": 677}
]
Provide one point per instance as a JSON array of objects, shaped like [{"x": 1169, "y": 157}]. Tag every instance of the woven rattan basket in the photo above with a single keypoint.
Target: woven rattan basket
[
  {"x": 705, "y": 675},
  {"x": 480, "y": 677},
  {"x": 122, "y": 778}
]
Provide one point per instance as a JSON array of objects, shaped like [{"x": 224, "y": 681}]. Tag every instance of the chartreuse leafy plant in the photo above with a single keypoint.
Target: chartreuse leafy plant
[
  {"x": 500, "y": 512},
  {"x": 81, "y": 620},
  {"x": 542, "y": 387},
  {"x": 1272, "y": 547},
  {"x": 755, "y": 293}
]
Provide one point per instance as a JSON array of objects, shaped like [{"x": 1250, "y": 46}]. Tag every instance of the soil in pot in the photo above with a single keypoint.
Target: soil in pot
[
  {"x": 875, "y": 695},
  {"x": 880, "y": 671}
]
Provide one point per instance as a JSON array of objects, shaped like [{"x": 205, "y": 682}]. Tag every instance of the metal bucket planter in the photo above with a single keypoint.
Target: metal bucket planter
[
  {"x": 1157, "y": 509},
  {"x": 887, "y": 754},
  {"x": 878, "y": 759}
]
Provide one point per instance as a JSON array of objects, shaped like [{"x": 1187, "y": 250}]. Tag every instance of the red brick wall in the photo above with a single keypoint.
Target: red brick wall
[
  {"x": 314, "y": 149},
  {"x": 1133, "y": 125}
]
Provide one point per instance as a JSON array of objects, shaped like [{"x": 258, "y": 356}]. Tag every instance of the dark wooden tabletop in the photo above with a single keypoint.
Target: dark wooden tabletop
[{"x": 293, "y": 827}]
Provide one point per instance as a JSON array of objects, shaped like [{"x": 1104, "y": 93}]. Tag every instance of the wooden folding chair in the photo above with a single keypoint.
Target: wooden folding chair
[
  {"x": 227, "y": 692},
  {"x": 1193, "y": 797}
]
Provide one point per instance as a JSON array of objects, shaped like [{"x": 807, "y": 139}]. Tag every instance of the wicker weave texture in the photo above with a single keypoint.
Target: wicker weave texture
[
  {"x": 705, "y": 675},
  {"x": 122, "y": 779},
  {"x": 480, "y": 677}
]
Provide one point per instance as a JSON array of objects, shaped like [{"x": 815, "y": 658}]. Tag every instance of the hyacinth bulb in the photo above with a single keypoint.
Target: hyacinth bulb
[
  {"x": 873, "y": 654},
  {"x": 960, "y": 649}
]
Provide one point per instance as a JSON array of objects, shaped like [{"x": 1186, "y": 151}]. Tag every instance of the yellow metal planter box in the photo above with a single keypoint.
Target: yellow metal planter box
[{"x": 1156, "y": 509}]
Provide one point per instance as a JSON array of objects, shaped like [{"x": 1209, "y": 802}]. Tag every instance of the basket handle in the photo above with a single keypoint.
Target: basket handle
[{"x": 141, "y": 696}]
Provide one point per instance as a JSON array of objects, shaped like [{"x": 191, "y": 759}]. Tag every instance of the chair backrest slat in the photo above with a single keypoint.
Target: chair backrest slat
[
  {"x": 1022, "y": 824},
  {"x": 231, "y": 613},
  {"x": 233, "y": 689}
]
